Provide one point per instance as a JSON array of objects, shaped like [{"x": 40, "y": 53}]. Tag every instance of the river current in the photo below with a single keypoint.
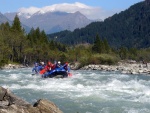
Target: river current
[{"x": 85, "y": 92}]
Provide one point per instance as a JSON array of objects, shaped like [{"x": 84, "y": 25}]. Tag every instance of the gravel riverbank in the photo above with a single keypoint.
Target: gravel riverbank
[{"x": 123, "y": 67}]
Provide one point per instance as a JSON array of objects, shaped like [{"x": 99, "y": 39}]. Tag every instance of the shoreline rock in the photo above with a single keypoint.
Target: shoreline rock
[
  {"x": 10, "y": 103},
  {"x": 13, "y": 66},
  {"x": 123, "y": 67}
]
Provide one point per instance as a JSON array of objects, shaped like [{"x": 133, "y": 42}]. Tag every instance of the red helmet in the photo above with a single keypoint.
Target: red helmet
[
  {"x": 66, "y": 63},
  {"x": 49, "y": 63}
]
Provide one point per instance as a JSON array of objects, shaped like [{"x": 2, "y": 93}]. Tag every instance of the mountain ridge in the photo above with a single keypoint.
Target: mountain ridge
[
  {"x": 3, "y": 19},
  {"x": 129, "y": 28},
  {"x": 50, "y": 21}
]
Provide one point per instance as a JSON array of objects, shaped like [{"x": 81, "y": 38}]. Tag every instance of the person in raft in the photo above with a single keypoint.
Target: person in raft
[
  {"x": 58, "y": 64},
  {"x": 48, "y": 68},
  {"x": 66, "y": 67},
  {"x": 35, "y": 69},
  {"x": 41, "y": 66}
]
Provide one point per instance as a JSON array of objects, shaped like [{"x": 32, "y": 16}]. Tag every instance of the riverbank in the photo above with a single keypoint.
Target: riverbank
[
  {"x": 10, "y": 103},
  {"x": 13, "y": 66},
  {"x": 128, "y": 67}
]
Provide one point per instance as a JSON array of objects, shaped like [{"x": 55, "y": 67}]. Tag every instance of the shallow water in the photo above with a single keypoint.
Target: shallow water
[{"x": 84, "y": 92}]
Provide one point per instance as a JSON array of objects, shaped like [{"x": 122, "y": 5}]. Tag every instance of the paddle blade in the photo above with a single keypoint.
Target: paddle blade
[
  {"x": 69, "y": 74},
  {"x": 43, "y": 71},
  {"x": 33, "y": 74}
]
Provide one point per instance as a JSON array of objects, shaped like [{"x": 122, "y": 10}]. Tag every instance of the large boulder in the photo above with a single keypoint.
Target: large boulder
[
  {"x": 2, "y": 93},
  {"x": 75, "y": 65},
  {"x": 45, "y": 106},
  {"x": 10, "y": 103}
]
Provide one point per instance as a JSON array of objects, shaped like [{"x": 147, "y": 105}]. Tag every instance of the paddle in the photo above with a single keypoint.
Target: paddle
[
  {"x": 33, "y": 74},
  {"x": 42, "y": 71},
  {"x": 69, "y": 74}
]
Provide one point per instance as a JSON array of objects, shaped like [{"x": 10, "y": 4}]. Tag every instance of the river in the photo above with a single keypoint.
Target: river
[{"x": 85, "y": 92}]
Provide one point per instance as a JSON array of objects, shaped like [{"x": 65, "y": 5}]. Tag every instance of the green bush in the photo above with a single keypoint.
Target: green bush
[
  {"x": 104, "y": 59},
  {"x": 99, "y": 59},
  {"x": 3, "y": 62},
  {"x": 84, "y": 61}
]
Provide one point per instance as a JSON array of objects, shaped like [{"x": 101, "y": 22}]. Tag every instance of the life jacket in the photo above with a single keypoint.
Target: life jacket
[
  {"x": 53, "y": 66},
  {"x": 65, "y": 66},
  {"x": 48, "y": 67}
]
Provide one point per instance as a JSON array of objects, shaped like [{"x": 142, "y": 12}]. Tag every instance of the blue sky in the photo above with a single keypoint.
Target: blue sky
[{"x": 106, "y": 5}]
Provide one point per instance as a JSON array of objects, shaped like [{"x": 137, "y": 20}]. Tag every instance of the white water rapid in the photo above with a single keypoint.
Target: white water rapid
[{"x": 84, "y": 92}]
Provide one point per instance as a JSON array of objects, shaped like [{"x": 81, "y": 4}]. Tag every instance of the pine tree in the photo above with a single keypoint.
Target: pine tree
[
  {"x": 43, "y": 37},
  {"x": 106, "y": 46},
  {"x": 96, "y": 46},
  {"x": 123, "y": 53},
  {"x": 16, "y": 26},
  {"x": 17, "y": 39}
]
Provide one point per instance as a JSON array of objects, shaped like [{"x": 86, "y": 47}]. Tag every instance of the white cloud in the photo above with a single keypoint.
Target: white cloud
[
  {"x": 88, "y": 11},
  {"x": 30, "y": 10}
]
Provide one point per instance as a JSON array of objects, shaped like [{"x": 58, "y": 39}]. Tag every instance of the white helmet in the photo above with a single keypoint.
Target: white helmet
[{"x": 42, "y": 63}]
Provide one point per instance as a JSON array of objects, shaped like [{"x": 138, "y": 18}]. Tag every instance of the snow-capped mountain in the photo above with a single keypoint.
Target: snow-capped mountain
[
  {"x": 50, "y": 21},
  {"x": 57, "y": 17}
]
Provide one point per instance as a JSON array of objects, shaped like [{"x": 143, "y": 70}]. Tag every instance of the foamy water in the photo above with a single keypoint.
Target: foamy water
[{"x": 84, "y": 92}]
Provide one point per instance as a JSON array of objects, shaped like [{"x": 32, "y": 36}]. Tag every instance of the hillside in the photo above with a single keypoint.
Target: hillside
[
  {"x": 129, "y": 28},
  {"x": 3, "y": 19}
]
